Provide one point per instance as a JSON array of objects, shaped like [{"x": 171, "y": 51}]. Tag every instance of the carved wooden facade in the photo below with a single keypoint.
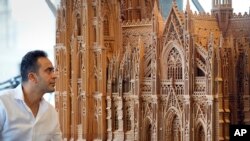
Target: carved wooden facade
[{"x": 127, "y": 74}]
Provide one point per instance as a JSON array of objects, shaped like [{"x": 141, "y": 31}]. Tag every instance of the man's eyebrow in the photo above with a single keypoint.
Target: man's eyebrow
[{"x": 49, "y": 68}]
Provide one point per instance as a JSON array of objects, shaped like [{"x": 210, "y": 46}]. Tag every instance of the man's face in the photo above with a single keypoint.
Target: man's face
[{"x": 46, "y": 76}]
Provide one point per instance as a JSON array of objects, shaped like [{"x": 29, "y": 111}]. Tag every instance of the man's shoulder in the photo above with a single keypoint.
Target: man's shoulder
[
  {"x": 6, "y": 97},
  {"x": 6, "y": 93}
]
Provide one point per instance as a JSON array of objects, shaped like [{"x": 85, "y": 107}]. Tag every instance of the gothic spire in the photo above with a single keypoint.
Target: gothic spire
[{"x": 188, "y": 9}]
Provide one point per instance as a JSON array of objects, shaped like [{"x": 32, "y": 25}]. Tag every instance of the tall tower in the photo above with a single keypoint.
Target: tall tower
[
  {"x": 136, "y": 9},
  {"x": 222, "y": 9},
  {"x": 82, "y": 51}
]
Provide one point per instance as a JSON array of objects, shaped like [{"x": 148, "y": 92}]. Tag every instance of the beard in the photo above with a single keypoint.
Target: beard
[{"x": 51, "y": 88}]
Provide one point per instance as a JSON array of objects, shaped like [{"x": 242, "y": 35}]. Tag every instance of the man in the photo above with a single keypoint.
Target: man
[{"x": 24, "y": 114}]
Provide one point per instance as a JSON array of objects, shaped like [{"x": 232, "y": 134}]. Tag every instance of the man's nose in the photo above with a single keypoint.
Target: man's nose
[{"x": 55, "y": 74}]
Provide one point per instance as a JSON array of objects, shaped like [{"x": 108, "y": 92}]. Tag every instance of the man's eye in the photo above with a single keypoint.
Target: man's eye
[{"x": 50, "y": 70}]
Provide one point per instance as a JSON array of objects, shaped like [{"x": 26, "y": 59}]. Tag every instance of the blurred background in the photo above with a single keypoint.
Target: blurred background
[
  {"x": 30, "y": 24},
  {"x": 24, "y": 25}
]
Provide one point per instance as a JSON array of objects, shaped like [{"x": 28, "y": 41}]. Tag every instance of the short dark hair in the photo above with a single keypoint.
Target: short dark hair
[{"x": 29, "y": 63}]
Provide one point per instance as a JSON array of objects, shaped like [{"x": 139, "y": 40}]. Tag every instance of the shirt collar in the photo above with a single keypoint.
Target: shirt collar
[{"x": 19, "y": 93}]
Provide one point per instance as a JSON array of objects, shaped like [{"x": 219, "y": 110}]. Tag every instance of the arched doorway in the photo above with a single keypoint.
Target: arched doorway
[
  {"x": 200, "y": 133},
  {"x": 173, "y": 128}
]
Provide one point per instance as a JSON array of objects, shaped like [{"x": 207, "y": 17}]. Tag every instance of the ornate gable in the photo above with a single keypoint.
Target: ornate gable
[{"x": 174, "y": 26}]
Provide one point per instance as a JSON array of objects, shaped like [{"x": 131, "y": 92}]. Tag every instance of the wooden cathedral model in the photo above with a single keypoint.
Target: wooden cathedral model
[{"x": 125, "y": 73}]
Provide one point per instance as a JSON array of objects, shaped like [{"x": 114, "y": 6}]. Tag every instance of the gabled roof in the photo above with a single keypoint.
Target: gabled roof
[
  {"x": 174, "y": 21},
  {"x": 174, "y": 11}
]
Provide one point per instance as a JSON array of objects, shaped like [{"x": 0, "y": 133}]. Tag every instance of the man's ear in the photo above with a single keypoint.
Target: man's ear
[{"x": 32, "y": 77}]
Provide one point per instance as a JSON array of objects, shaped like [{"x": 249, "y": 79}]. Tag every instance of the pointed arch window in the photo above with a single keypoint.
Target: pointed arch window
[
  {"x": 171, "y": 69},
  {"x": 174, "y": 65},
  {"x": 149, "y": 133},
  {"x": 129, "y": 3},
  {"x": 79, "y": 64},
  {"x": 94, "y": 34},
  {"x": 176, "y": 134},
  {"x": 138, "y": 14},
  {"x": 178, "y": 69},
  {"x": 116, "y": 123},
  {"x": 137, "y": 3},
  {"x": 106, "y": 26},
  {"x": 125, "y": 87},
  {"x": 128, "y": 119},
  {"x": 94, "y": 11},
  {"x": 79, "y": 27},
  {"x": 114, "y": 85},
  {"x": 200, "y": 134}
]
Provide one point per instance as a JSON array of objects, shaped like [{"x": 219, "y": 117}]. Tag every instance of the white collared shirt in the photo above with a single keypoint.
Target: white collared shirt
[{"x": 17, "y": 122}]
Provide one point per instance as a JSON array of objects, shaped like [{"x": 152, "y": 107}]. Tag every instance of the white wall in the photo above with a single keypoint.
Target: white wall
[{"x": 34, "y": 26}]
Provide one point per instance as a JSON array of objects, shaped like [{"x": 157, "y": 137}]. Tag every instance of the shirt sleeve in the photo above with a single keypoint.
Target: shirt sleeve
[{"x": 2, "y": 116}]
